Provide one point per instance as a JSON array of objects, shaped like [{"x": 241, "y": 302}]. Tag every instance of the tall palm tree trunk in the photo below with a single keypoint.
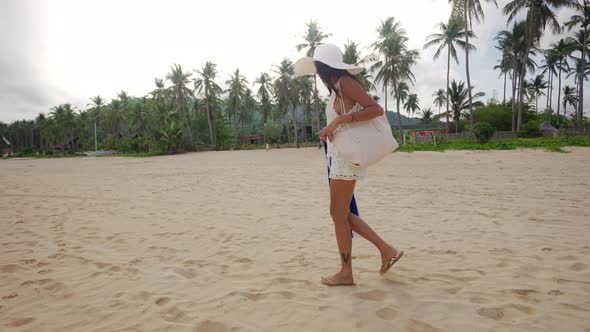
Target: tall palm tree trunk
[
  {"x": 548, "y": 89},
  {"x": 399, "y": 117},
  {"x": 551, "y": 93},
  {"x": 514, "y": 80},
  {"x": 238, "y": 137},
  {"x": 559, "y": 92},
  {"x": 468, "y": 28},
  {"x": 520, "y": 96},
  {"x": 504, "y": 100},
  {"x": 294, "y": 119},
  {"x": 211, "y": 138},
  {"x": 265, "y": 118},
  {"x": 288, "y": 127},
  {"x": 447, "y": 91},
  {"x": 581, "y": 81},
  {"x": 95, "y": 137}
]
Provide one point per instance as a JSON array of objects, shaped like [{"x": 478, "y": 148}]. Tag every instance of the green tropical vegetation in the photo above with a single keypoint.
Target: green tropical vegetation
[{"x": 192, "y": 110}]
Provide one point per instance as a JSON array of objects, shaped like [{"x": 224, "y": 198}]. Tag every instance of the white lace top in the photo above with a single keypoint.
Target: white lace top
[{"x": 340, "y": 169}]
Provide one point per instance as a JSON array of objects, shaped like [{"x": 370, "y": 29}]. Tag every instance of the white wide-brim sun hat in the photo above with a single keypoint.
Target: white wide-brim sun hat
[{"x": 328, "y": 54}]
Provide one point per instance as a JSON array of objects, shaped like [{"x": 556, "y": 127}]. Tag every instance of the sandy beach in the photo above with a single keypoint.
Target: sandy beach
[{"x": 237, "y": 241}]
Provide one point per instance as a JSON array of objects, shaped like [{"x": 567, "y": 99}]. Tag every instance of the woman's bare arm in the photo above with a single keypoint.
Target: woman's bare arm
[{"x": 353, "y": 90}]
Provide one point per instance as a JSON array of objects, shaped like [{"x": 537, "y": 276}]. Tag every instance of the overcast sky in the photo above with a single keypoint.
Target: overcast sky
[{"x": 59, "y": 51}]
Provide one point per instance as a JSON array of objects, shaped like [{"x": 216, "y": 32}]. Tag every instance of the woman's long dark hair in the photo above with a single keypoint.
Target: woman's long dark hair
[{"x": 330, "y": 75}]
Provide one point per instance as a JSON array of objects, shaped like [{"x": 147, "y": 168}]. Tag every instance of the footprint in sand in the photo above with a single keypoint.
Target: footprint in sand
[
  {"x": 523, "y": 292},
  {"x": 575, "y": 307},
  {"x": 162, "y": 301},
  {"x": 115, "y": 269},
  {"x": 479, "y": 300},
  {"x": 419, "y": 326},
  {"x": 12, "y": 268},
  {"x": 498, "y": 313},
  {"x": 374, "y": 295},
  {"x": 555, "y": 292},
  {"x": 288, "y": 281},
  {"x": 101, "y": 265},
  {"x": 211, "y": 326},
  {"x": 257, "y": 296},
  {"x": 442, "y": 252},
  {"x": 491, "y": 313},
  {"x": 40, "y": 282},
  {"x": 18, "y": 322},
  {"x": 142, "y": 296},
  {"x": 186, "y": 273},
  {"x": 578, "y": 267},
  {"x": 453, "y": 290},
  {"x": 10, "y": 296},
  {"x": 387, "y": 313},
  {"x": 174, "y": 315}
]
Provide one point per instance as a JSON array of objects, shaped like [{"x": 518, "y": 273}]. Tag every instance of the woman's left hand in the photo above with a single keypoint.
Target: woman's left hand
[{"x": 328, "y": 132}]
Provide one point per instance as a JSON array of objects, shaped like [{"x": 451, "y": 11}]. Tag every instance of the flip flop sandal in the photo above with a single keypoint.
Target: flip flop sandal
[{"x": 387, "y": 265}]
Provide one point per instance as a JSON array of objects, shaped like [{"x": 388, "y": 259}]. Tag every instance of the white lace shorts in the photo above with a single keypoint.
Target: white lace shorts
[{"x": 341, "y": 170}]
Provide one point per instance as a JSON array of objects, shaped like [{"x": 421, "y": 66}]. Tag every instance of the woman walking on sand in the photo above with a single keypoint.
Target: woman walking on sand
[{"x": 348, "y": 103}]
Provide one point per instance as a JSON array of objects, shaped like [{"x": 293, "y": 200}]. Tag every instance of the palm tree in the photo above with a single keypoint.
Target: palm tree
[
  {"x": 550, "y": 67},
  {"x": 98, "y": 104},
  {"x": 582, "y": 18},
  {"x": 352, "y": 56},
  {"x": 237, "y": 85},
  {"x": 426, "y": 116},
  {"x": 504, "y": 66},
  {"x": 536, "y": 87},
  {"x": 41, "y": 125},
  {"x": 562, "y": 50},
  {"x": 402, "y": 92},
  {"x": 395, "y": 66},
  {"x": 313, "y": 37},
  {"x": 284, "y": 93},
  {"x": 412, "y": 104},
  {"x": 440, "y": 99},
  {"x": 470, "y": 9},
  {"x": 387, "y": 32},
  {"x": 206, "y": 83},
  {"x": 580, "y": 43},
  {"x": 513, "y": 41},
  {"x": 575, "y": 71},
  {"x": 304, "y": 87},
  {"x": 180, "y": 82},
  {"x": 248, "y": 108},
  {"x": 459, "y": 98},
  {"x": 569, "y": 97},
  {"x": 64, "y": 117},
  {"x": 449, "y": 36},
  {"x": 264, "y": 93},
  {"x": 539, "y": 14}
]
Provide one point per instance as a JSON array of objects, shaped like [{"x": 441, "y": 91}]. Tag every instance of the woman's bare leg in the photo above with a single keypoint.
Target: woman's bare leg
[
  {"x": 340, "y": 196},
  {"x": 363, "y": 229}
]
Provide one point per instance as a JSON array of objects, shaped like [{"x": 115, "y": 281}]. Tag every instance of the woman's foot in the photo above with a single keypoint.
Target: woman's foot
[
  {"x": 339, "y": 279},
  {"x": 387, "y": 256}
]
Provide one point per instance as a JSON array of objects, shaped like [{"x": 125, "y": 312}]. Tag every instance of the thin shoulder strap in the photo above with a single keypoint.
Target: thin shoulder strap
[{"x": 343, "y": 108}]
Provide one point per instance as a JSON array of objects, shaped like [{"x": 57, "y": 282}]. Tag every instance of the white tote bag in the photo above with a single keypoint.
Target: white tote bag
[{"x": 364, "y": 143}]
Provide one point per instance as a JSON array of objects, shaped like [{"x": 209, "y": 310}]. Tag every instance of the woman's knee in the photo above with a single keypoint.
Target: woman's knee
[{"x": 339, "y": 215}]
